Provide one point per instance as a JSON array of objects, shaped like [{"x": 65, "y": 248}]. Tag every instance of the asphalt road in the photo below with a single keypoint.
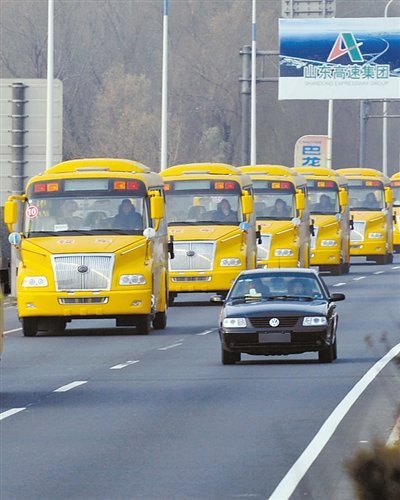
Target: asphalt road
[{"x": 97, "y": 413}]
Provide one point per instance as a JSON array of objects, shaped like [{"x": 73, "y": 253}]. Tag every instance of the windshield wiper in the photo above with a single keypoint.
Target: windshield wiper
[{"x": 291, "y": 297}]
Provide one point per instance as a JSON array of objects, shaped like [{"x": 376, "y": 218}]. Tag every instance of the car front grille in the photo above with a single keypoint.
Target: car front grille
[
  {"x": 83, "y": 271},
  {"x": 262, "y": 322}
]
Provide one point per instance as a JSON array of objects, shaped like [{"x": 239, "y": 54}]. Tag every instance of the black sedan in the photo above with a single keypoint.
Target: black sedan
[{"x": 278, "y": 311}]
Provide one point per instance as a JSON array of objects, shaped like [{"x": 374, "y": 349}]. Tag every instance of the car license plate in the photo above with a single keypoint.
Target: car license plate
[{"x": 274, "y": 337}]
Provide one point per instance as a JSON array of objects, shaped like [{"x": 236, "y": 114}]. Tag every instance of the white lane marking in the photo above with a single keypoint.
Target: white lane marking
[
  {"x": 299, "y": 469},
  {"x": 170, "y": 346},
  {"x": 339, "y": 284},
  {"x": 8, "y": 413},
  {"x": 394, "y": 438},
  {"x": 123, "y": 365},
  {"x": 378, "y": 272},
  {"x": 70, "y": 386},
  {"x": 396, "y": 267},
  {"x": 12, "y": 331},
  {"x": 206, "y": 332},
  {"x": 359, "y": 278}
]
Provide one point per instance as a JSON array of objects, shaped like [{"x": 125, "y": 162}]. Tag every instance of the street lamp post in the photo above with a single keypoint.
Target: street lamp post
[
  {"x": 50, "y": 82},
  {"x": 384, "y": 119},
  {"x": 253, "y": 125}
]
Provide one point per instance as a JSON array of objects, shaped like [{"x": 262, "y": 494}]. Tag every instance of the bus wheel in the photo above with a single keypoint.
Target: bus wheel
[
  {"x": 29, "y": 327},
  {"x": 171, "y": 298},
  {"x": 389, "y": 258},
  {"x": 143, "y": 323},
  {"x": 346, "y": 268},
  {"x": 336, "y": 270},
  {"x": 160, "y": 320},
  {"x": 381, "y": 259}
]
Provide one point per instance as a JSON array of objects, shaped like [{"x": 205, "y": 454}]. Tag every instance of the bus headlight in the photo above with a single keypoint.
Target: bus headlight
[
  {"x": 328, "y": 243},
  {"x": 315, "y": 321},
  {"x": 234, "y": 323},
  {"x": 375, "y": 236},
  {"x": 34, "y": 281},
  {"x": 283, "y": 252},
  {"x": 132, "y": 279},
  {"x": 230, "y": 262}
]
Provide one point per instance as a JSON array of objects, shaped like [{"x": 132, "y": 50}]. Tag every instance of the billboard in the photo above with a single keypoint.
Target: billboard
[
  {"x": 311, "y": 151},
  {"x": 339, "y": 58}
]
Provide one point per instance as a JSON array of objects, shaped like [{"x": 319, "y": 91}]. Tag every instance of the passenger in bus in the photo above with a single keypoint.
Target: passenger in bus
[
  {"x": 127, "y": 217},
  {"x": 371, "y": 201},
  {"x": 224, "y": 212},
  {"x": 67, "y": 211},
  {"x": 195, "y": 212},
  {"x": 280, "y": 209},
  {"x": 324, "y": 205}
]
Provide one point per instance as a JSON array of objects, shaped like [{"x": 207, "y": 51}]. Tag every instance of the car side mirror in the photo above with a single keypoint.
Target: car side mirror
[
  {"x": 336, "y": 297},
  {"x": 217, "y": 299}
]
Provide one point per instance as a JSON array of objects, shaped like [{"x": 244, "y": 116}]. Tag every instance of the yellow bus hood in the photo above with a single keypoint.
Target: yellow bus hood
[
  {"x": 207, "y": 233},
  {"x": 275, "y": 226}
]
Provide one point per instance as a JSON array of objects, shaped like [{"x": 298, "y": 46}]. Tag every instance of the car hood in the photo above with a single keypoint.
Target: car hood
[{"x": 276, "y": 307}]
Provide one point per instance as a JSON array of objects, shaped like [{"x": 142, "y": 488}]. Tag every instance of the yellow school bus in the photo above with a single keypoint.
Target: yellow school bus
[
  {"x": 281, "y": 214},
  {"x": 395, "y": 185},
  {"x": 370, "y": 201},
  {"x": 329, "y": 211},
  {"x": 92, "y": 243},
  {"x": 210, "y": 217}
]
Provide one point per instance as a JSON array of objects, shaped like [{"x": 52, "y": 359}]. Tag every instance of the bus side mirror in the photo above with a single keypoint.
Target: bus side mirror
[
  {"x": 247, "y": 203},
  {"x": 351, "y": 222},
  {"x": 300, "y": 200},
  {"x": 258, "y": 235},
  {"x": 343, "y": 197},
  {"x": 171, "y": 247},
  {"x": 156, "y": 205},
  {"x": 388, "y": 196},
  {"x": 10, "y": 213},
  {"x": 312, "y": 227}
]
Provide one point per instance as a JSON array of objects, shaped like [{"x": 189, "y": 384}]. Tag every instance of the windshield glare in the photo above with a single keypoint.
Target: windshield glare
[
  {"x": 64, "y": 214},
  {"x": 272, "y": 286},
  {"x": 210, "y": 209},
  {"x": 396, "y": 196}
]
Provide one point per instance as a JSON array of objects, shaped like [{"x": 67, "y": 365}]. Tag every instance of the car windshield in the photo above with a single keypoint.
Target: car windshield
[{"x": 273, "y": 287}]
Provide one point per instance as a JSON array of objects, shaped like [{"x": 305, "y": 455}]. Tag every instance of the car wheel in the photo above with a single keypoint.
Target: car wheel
[
  {"x": 143, "y": 323},
  {"x": 160, "y": 320},
  {"x": 29, "y": 327},
  {"x": 229, "y": 358},
  {"x": 334, "y": 349},
  {"x": 326, "y": 355}
]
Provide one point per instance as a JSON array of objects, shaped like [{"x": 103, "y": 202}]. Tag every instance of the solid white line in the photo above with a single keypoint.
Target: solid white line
[
  {"x": 8, "y": 413},
  {"x": 378, "y": 272},
  {"x": 206, "y": 332},
  {"x": 12, "y": 331},
  {"x": 123, "y": 365},
  {"x": 359, "y": 278},
  {"x": 394, "y": 438},
  {"x": 339, "y": 284},
  {"x": 299, "y": 469},
  {"x": 70, "y": 386},
  {"x": 170, "y": 346}
]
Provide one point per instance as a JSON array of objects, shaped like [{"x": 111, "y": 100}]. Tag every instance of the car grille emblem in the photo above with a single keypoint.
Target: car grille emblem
[
  {"x": 274, "y": 322},
  {"x": 83, "y": 269}
]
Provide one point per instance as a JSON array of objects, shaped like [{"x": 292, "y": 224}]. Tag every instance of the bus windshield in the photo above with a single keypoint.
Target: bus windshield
[
  {"x": 323, "y": 201},
  {"x": 396, "y": 196},
  {"x": 85, "y": 214},
  {"x": 364, "y": 198}
]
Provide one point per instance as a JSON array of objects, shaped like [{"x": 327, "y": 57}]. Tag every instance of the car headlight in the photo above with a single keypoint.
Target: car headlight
[
  {"x": 315, "y": 321},
  {"x": 132, "y": 279},
  {"x": 230, "y": 262},
  {"x": 234, "y": 323},
  {"x": 34, "y": 281},
  {"x": 328, "y": 243},
  {"x": 283, "y": 252},
  {"x": 375, "y": 236}
]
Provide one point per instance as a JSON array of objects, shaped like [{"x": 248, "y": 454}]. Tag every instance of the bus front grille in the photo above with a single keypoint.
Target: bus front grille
[
  {"x": 193, "y": 256},
  {"x": 83, "y": 271}
]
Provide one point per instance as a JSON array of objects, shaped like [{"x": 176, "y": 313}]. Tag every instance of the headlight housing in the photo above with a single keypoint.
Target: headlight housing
[
  {"x": 283, "y": 252},
  {"x": 234, "y": 323},
  {"x": 230, "y": 262},
  {"x": 315, "y": 321},
  {"x": 328, "y": 243},
  {"x": 34, "y": 282},
  {"x": 375, "y": 236},
  {"x": 132, "y": 279}
]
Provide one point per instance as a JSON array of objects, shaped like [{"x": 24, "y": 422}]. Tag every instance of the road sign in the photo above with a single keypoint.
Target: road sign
[
  {"x": 308, "y": 8},
  {"x": 311, "y": 151}
]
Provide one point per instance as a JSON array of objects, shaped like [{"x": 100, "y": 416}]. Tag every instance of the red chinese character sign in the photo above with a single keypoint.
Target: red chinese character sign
[
  {"x": 311, "y": 151},
  {"x": 352, "y": 58}
]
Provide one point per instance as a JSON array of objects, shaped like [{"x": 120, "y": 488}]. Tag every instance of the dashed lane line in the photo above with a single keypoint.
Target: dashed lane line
[
  {"x": 11, "y": 412},
  {"x": 339, "y": 284},
  {"x": 359, "y": 278},
  {"x": 299, "y": 469},
  {"x": 206, "y": 332},
  {"x": 170, "y": 346},
  {"x": 12, "y": 331},
  {"x": 124, "y": 365},
  {"x": 70, "y": 386},
  {"x": 378, "y": 272}
]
